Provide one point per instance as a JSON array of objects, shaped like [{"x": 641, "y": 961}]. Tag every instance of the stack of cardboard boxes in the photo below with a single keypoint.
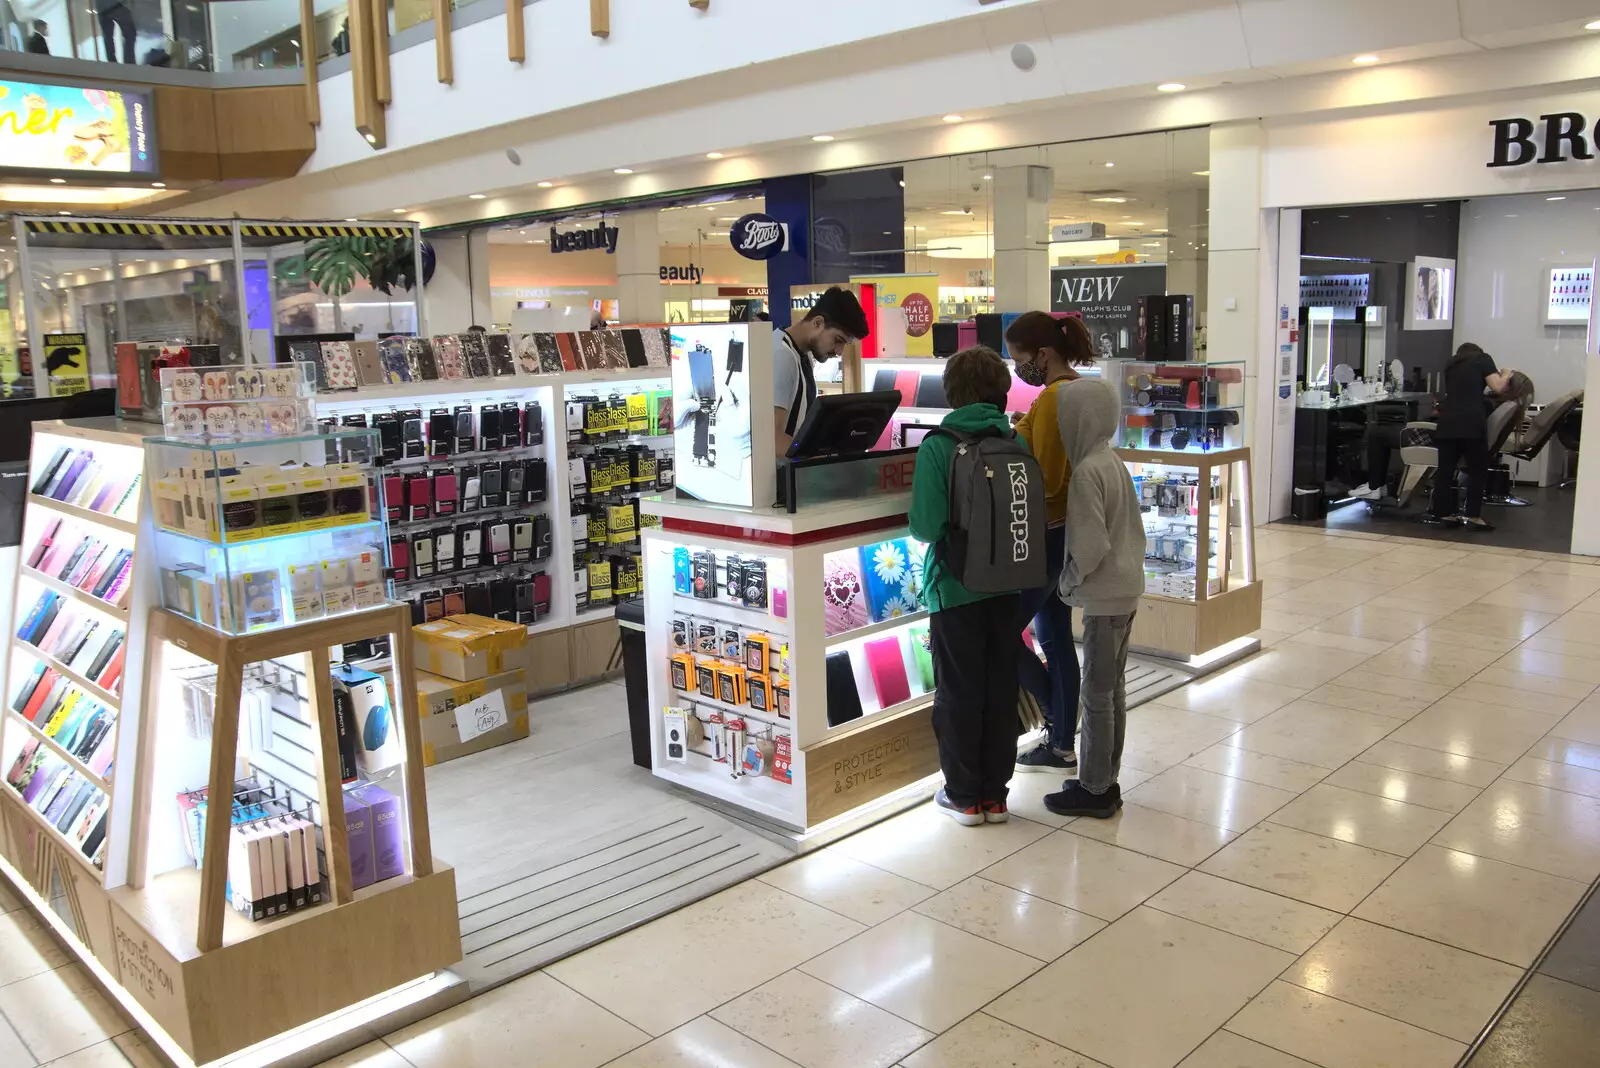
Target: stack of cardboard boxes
[{"x": 471, "y": 688}]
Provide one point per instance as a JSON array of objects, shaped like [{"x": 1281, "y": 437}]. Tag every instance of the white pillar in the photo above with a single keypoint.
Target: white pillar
[
  {"x": 458, "y": 295},
  {"x": 640, "y": 298},
  {"x": 1242, "y": 288},
  {"x": 1022, "y": 239}
]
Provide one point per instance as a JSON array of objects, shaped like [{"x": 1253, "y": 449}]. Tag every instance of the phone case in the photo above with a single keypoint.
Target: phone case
[
  {"x": 475, "y": 352},
  {"x": 527, "y": 353},
  {"x": 447, "y": 352},
  {"x": 455, "y": 601},
  {"x": 499, "y": 543},
  {"x": 521, "y": 541},
  {"x": 419, "y": 496},
  {"x": 411, "y": 437},
  {"x": 844, "y": 702},
  {"x": 400, "y": 557},
  {"x": 369, "y": 365},
  {"x": 510, "y": 425},
  {"x": 470, "y": 542},
  {"x": 338, "y": 367},
  {"x": 501, "y": 359},
  {"x": 532, "y": 424},
  {"x": 444, "y": 550},
  {"x": 441, "y": 433},
  {"x": 489, "y": 428},
  {"x": 424, "y": 363},
  {"x": 550, "y": 362},
  {"x": 512, "y": 474},
  {"x": 492, "y": 495},
  {"x": 392, "y": 357},
  {"x": 471, "y": 488},
  {"x": 444, "y": 491},
  {"x": 422, "y": 554}
]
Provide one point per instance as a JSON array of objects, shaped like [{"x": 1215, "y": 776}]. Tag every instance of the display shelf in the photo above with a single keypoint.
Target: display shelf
[
  {"x": 107, "y": 430},
  {"x": 68, "y": 590},
  {"x": 126, "y": 526},
  {"x": 761, "y": 794},
  {"x": 276, "y": 539},
  {"x": 99, "y": 693},
  {"x": 1182, "y": 408},
  {"x": 770, "y": 719},
  {"x": 62, "y": 840},
  {"x": 737, "y": 613},
  {"x": 878, "y": 628},
  {"x": 103, "y": 785}
]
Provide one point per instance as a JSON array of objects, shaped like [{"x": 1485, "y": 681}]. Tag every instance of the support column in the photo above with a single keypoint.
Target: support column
[
  {"x": 1241, "y": 290},
  {"x": 1022, "y": 239},
  {"x": 640, "y": 298},
  {"x": 788, "y": 200},
  {"x": 458, "y": 295}
]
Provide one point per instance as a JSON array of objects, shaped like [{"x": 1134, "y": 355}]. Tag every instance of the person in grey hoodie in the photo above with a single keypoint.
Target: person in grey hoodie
[{"x": 1104, "y": 578}]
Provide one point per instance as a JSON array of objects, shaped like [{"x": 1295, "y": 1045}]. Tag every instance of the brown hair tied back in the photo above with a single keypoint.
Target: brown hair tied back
[{"x": 1068, "y": 338}]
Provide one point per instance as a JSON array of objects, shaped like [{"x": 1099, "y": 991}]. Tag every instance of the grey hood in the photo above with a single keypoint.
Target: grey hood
[{"x": 1086, "y": 414}]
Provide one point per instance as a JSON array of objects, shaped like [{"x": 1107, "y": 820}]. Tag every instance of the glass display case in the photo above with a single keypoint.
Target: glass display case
[
  {"x": 1178, "y": 407},
  {"x": 259, "y": 534},
  {"x": 1201, "y": 591}
]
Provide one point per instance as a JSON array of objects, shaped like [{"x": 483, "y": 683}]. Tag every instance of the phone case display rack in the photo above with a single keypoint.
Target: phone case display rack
[
  {"x": 218, "y": 933},
  {"x": 606, "y": 414},
  {"x": 1201, "y": 590},
  {"x": 805, "y": 690}
]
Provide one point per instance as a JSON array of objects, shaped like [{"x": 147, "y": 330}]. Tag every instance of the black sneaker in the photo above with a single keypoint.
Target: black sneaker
[
  {"x": 966, "y": 815},
  {"x": 1074, "y": 800},
  {"x": 1042, "y": 758}
]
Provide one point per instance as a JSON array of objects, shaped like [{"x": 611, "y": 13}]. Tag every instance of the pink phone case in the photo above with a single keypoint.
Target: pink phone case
[{"x": 888, "y": 668}]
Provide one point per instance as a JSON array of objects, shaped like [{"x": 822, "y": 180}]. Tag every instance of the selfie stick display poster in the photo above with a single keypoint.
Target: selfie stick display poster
[{"x": 711, "y": 404}]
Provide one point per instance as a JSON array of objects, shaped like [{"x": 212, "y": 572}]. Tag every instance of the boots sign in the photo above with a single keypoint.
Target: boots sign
[
  {"x": 602, "y": 238},
  {"x": 1554, "y": 138}
]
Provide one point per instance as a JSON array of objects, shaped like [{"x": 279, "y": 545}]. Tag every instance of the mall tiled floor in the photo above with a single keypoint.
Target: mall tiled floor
[{"x": 1345, "y": 851}]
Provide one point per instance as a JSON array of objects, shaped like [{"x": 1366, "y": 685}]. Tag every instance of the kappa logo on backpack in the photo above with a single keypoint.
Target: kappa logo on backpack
[{"x": 997, "y": 520}]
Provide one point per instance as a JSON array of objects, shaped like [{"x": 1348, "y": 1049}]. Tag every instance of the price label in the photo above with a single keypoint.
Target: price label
[{"x": 478, "y": 717}]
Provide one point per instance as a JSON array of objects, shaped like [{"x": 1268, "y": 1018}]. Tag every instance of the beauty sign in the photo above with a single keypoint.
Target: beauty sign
[{"x": 75, "y": 130}]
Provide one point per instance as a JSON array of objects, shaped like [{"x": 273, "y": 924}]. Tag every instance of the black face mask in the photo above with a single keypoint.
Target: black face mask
[{"x": 1030, "y": 371}]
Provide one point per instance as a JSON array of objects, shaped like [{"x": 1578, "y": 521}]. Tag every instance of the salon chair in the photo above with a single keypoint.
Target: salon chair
[
  {"x": 1421, "y": 459},
  {"x": 1569, "y": 434},
  {"x": 1532, "y": 439}
]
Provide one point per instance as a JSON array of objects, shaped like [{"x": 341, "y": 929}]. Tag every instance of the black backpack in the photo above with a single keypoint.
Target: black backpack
[{"x": 996, "y": 538}]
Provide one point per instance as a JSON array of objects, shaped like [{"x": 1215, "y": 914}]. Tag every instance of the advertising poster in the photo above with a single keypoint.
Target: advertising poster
[
  {"x": 75, "y": 130},
  {"x": 711, "y": 399},
  {"x": 907, "y": 305},
  {"x": 66, "y": 362},
  {"x": 1108, "y": 299}
]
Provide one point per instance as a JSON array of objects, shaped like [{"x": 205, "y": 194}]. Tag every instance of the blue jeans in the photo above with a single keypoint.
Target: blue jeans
[{"x": 1056, "y": 686}]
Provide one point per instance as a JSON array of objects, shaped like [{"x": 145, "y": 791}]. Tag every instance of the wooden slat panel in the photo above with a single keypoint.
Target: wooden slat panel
[
  {"x": 381, "y": 86},
  {"x": 516, "y": 40},
  {"x": 224, "y": 757},
  {"x": 186, "y": 133},
  {"x": 335, "y": 835},
  {"x": 600, "y": 18},
  {"x": 263, "y": 132},
  {"x": 444, "y": 55},
  {"x": 308, "y": 60},
  {"x": 404, "y": 702}
]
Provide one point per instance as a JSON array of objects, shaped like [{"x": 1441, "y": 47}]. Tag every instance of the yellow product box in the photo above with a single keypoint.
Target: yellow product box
[
  {"x": 638, "y": 413},
  {"x": 469, "y": 647},
  {"x": 314, "y": 501},
  {"x": 619, "y": 524},
  {"x": 240, "y": 503}
]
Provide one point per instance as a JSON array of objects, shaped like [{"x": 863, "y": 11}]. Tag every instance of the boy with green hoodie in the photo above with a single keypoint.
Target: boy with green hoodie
[
  {"x": 1104, "y": 578},
  {"x": 973, "y": 636}
]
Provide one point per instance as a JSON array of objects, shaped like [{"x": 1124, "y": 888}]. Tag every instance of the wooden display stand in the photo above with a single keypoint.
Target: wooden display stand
[
  {"x": 1182, "y": 628},
  {"x": 214, "y": 980}
]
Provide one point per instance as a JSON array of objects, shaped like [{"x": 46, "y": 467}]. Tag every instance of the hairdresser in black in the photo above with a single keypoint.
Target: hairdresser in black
[{"x": 1462, "y": 433}]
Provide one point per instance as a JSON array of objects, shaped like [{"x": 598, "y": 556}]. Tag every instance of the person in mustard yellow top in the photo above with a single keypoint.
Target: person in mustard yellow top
[{"x": 1046, "y": 352}]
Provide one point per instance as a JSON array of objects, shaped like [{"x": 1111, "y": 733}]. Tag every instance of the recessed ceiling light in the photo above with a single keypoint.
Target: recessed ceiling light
[
  {"x": 1110, "y": 164},
  {"x": 1365, "y": 61},
  {"x": 349, "y": 220},
  {"x": 1202, "y": 174},
  {"x": 63, "y": 213},
  {"x": 952, "y": 117},
  {"x": 713, "y": 155},
  {"x": 1171, "y": 87},
  {"x": 956, "y": 211},
  {"x": 1110, "y": 200},
  {"x": 401, "y": 211},
  {"x": 546, "y": 185},
  {"x": 58, "y": 181},
  {"x": 623, "y": 170},
  {"x": 371, "y": 139},
  {"x": 475, "y": 196},
  {"x": 1595, "y": 25},
  {"x": 1555, "y": 198},
  {"x": 823, "y": 137}
]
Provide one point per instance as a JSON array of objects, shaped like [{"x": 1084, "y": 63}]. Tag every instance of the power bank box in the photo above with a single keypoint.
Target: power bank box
[
  {"x": 378, "y": 743},
  {"x": 388, "y": 844},
  {"x": 358, "y": 829}
]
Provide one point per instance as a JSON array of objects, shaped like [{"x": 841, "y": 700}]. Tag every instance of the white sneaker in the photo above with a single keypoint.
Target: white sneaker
[{"x": 1367, "y": 493}]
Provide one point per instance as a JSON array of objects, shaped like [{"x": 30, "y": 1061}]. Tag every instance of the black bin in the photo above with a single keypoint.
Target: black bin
[{"x": 636, "y": 676}]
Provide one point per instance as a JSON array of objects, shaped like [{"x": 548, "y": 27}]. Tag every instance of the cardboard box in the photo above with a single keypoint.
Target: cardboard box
[
  {"x": 437, "y": 701},
  {"x": 468, "y": 647}
]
